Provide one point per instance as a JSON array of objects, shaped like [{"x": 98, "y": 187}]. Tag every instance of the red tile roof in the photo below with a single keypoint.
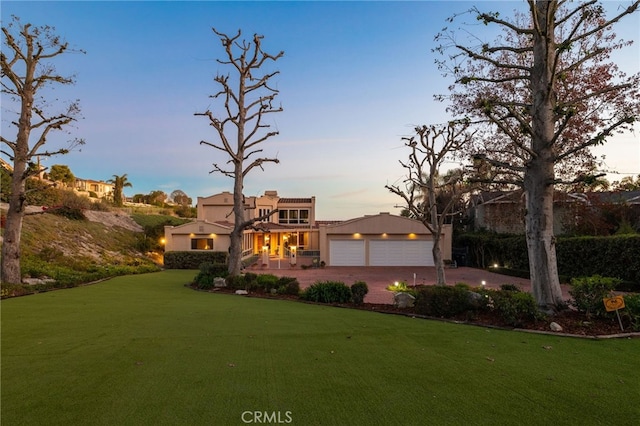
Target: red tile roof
[{"x": 294, "y": 200}]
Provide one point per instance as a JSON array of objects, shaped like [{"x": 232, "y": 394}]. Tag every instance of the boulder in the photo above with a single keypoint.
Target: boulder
[
  {"x": 403, "y": 300},
  {"x": 242, "y": 292},
  {"x": 475, "y": 299},
  {"x": 219, "y": 282},
  {"x": 554, "y": 326}
]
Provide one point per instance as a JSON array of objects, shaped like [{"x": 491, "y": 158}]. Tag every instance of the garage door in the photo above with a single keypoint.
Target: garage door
[
  {"x": 400, "y": 253},
  {"x": 346, "y": 252}
]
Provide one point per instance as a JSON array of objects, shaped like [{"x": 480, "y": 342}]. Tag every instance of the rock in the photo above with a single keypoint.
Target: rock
[
  {"x": 219, "y": 282},
  {"x": 403, "y": 300},
  {"x": 475, "y": 299},
  {"x": 242, "y": 292},
  {"x": 274, "y": 291},
  {"x": 36, "y": 281},
  {"x": 555, "y": 326}
]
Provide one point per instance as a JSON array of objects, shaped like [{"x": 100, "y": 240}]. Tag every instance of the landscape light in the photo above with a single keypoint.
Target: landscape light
[{"x": 484, "y": 282}]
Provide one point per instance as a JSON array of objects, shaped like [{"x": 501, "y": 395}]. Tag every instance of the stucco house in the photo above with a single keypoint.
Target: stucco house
[
  {"x": 294, "y": 234},
  {"x": 100, "y": 188}
]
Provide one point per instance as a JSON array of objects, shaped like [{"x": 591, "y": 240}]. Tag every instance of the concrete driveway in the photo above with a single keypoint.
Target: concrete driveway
[{"x": 379, "y": 277}]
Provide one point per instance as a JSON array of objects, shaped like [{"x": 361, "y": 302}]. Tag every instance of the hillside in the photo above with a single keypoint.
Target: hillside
[{"x": 72, "y": 252}]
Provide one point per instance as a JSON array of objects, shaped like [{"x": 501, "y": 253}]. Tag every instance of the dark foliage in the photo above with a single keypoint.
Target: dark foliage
[
  {"x": 443, "y": 301},
  {"x": 328, "y": 292},
  {"x": 192, "y": 259},
  {"x": 588, "y": 292},
  {"x": 359, "y": 289},
  {"x": 614, "y": 256},
  {"x": 208, "y": 271}
]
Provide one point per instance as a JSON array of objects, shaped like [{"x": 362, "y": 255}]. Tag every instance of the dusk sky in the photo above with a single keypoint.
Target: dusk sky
[{"x": 355, "y": 78}]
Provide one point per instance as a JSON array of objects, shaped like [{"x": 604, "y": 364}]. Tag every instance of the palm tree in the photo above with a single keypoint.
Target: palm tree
[{"x": 119, "y": 183}]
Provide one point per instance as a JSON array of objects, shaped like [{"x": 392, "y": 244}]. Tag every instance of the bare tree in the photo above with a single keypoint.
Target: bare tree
[
  {"x": 430, "y": 198},
  {"x": 546, "y": 92},
  {"x": 241, "y": 117},
  {"x": 26, "y": 73}
]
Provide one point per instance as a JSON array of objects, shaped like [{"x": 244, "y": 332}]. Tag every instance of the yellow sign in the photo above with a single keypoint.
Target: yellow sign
[{"x": 613, "y": 303}]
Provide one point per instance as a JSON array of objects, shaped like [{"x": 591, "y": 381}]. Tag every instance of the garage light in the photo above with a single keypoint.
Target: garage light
[{"x": 356, "y": 235}]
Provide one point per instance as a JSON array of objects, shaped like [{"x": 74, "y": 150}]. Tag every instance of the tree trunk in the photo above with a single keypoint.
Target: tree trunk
[
  {"x": 438, "y": 260},
  {"x": 539, "y": 175},
  {"x": 13, "y": 228},
  {"x": 10, "y": 262},
  {"x": 235, "y": 249},
  {"x": 541, "y": 243},
  {"x": 436, "y": 228}
]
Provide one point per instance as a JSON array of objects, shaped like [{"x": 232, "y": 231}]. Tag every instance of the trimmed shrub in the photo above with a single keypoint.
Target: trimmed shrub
[
  {"x": 209, "y": 271},
  {"x": 192, "y": 259},
  {"x": 613, "y": 256},
  {"x": 359, "y": 289},
  {"x": 328, "y": 292},
  {"x": 588, "y": 292},
  {"x": 267, "y": 282},
  {"x": 442, "y": 301},
  {"x": 288, "y": 285},
  {"x": 515, "y": 307},
  {"x": 238, "y": 282}
]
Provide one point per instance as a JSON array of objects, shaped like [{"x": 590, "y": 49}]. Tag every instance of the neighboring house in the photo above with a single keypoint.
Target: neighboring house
[
  {"x": 100, "y": 188},
  {"x": 503, "y": 211},
  {"x": 377, "y": 240}
]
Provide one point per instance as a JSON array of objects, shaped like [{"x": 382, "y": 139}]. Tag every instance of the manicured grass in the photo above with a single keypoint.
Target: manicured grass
[{"x": 146, "y": 350}]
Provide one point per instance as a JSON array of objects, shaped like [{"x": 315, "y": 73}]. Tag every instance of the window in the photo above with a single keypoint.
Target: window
[
  {"x": 202, "y": 244},
  {"x": 262, "y": 212},
  {"x": 304, "y": 216},
  {"x": 294, "y": 216}
]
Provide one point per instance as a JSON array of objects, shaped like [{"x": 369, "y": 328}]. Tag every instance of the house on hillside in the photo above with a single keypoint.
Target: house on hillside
[
  {"x": 293, "y": 232},
  {"x": 503, "y": 211},
  {"x": 100, "y": 188}
]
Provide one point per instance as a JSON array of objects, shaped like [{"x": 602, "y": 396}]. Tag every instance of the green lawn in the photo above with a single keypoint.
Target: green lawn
[{"x": 145, "y": 350}]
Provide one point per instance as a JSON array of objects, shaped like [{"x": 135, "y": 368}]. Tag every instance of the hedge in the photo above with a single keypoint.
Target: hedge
[
  {"x": 192, "y": 259},
  {"x": 613, "y": 256}
]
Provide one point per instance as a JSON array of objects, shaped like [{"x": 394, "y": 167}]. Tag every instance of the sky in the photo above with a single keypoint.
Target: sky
[{"x": 355, "y": 78}]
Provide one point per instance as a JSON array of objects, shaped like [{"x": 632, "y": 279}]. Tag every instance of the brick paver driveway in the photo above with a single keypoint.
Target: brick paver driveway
[{"x": 378, "y": 277}]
